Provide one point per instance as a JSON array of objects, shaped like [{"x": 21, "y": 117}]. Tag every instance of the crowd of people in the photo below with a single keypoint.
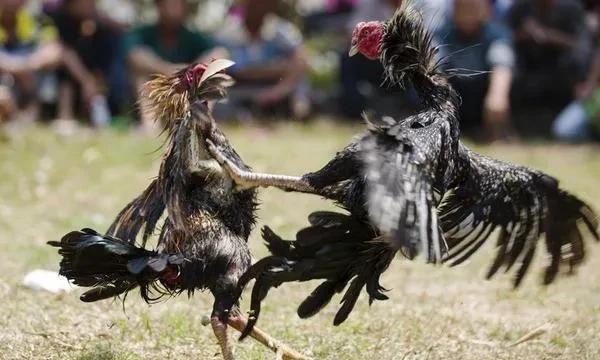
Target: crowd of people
[{"x": 527, "y": 67}]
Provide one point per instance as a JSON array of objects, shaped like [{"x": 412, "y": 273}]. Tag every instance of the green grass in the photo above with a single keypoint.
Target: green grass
[{"x": 50, "y": 185}]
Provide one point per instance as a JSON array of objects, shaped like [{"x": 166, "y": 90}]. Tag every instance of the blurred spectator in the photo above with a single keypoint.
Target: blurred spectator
[
  {"x": 580, "y": 120},
  {"x": 434, "y": 11},
  {"x": 27, "y": 46},
  {"x": 29, "y": 50},
  {"x": 83, "y": 33},
  {"x": 480, "y": 52},
  {"x": 337, "y": 6},
  {"x": 551, "y": 56},
  {"x": 500, "y": 9},
  {"x": 330, "y": 15},
  {"x": 51, "y": 6},
  {"x": 165, "y": 46},
  {"x": 270, "y": 59}
]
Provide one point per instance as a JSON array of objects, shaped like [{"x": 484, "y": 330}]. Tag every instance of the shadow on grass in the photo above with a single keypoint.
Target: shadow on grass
[{"x": 104, "y": 352}]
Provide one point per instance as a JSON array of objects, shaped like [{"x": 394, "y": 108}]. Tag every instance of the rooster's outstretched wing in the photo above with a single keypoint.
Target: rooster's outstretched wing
[
  {"x": 400, "y": 165},
  {"x": 524, "y": 204}
]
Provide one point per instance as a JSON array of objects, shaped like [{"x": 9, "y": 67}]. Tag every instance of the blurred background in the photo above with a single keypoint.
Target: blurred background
[{"x": 524, "y": 68}]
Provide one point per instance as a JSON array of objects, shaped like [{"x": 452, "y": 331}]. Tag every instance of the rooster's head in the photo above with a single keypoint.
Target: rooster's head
[
  {"x": 167, "y": 97},
  {"x": 366, "y": 39}
]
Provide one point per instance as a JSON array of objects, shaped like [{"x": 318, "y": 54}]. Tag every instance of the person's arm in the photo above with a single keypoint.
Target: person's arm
[
  {"x": 532, "y": 30},
  {"x": 46, "y": 56},
  {"x": 144, "y": 61},
  {"x": 80, "y": 73},
  {"x": 270, "y": 72},
  {"x": 11, "y": 64},
  {"x": 496, "y": 106},
  {"x": 294, "y": 71},
  {"x": 547, "y": 35},
  {"x": 214, "y": 53},
  {"x": 586, "y": 88},
  {"x": 288, "y": 71},
  {"x": 497, "y": 101},
  {"x": 567, "y": 36}
]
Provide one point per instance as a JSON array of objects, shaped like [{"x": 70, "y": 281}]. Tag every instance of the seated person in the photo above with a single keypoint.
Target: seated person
[
  {"x": 166, "y": 46},
  {"x": 270, "y": 60},
  {"x": 580, "y": 120},
  {"x": 27, "y": 46},
  {"x": 548, "y": 39},
  {"x": 89, "y": 39},
  {"x": 481, "y": 52}
]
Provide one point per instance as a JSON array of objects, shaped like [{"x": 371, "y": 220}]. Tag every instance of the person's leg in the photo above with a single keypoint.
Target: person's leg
[
  {"x": 45, "y": 57},
  {"x": 289, "y": 89},
  {"x": 355, "y": 73},
  {"x": 535, "y": 102},
  {"x": 571, "y": 124},
  {"x": 147, "y": 124},
  {"x": 117, "y": 84},
  {"x": 300, "y": 102},
  {"x": 66, "y": 101},
  {"x": 238, "y": 105},
  {"x": 7, "y": 104},
  {"x": 28, "y": 102},
  {"x": 472, "y": 92}
]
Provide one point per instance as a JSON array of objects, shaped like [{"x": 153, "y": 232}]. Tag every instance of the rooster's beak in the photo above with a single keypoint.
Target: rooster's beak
[
  {"x": 353, "y": 50},
  {"x": 214, "y": 67}
]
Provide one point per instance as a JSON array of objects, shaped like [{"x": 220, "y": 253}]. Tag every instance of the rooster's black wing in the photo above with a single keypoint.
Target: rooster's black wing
[
  {"x": 401, "y": 161},
  {"x": 523, "y": 204}
]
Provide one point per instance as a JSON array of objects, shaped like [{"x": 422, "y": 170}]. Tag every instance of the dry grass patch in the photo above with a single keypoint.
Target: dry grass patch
[{"x": 51, "y": 185}]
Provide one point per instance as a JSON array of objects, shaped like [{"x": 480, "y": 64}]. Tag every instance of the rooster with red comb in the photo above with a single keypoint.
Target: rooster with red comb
[
  {"x": 410, "y": 185},
  {"x": 202, "y": 244}
]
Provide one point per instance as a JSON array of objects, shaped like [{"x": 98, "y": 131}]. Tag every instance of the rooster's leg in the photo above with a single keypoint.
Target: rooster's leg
[
  {"x": 283, "y": 351},
  {"x": 220, "y": 330},
  {"x": 247, "y": 179}
]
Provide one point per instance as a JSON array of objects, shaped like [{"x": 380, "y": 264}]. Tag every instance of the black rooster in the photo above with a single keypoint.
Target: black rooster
[
  {"x": 411, "y": 185},
  {"x": 203, "y": 240}
]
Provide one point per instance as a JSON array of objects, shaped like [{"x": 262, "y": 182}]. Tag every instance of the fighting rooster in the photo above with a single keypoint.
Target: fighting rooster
[
  {"x": 410, "y": 185},
  {"x": 203, "y": 240}
]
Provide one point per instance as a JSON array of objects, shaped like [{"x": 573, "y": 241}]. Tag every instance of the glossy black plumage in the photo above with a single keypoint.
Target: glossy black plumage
[
  {"x": 524, "y": 204},
  {"x": 402, "y": 165},
  {"x": 111, "y": 266},
  {"x": 340, "y": 248},
  {"x": 420, "y": 191}
]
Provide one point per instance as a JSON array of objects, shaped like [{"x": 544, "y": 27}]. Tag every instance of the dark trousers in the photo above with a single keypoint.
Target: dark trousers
[
  {"x": 355, "y": 73},
  {"x": 472, "y": 91}
]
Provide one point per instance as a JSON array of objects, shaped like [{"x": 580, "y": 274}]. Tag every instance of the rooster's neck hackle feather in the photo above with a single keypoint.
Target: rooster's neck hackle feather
[
  {"x": 165, "y": 99},
  {"x": 409, "y": 56}
]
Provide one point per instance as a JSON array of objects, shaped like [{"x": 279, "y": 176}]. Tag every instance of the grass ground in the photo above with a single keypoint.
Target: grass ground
[{"x": 50, "y": 185}]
